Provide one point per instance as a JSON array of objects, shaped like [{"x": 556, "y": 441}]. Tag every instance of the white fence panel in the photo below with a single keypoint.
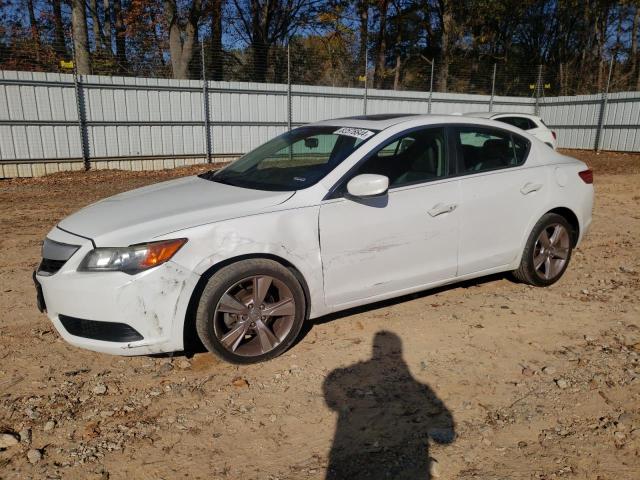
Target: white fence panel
[{"x": 129, "y": 118}]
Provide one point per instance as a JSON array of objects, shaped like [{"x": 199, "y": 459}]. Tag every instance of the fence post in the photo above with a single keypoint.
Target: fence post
[
  {"x": 493, "y": 88},
  {"x": 81, "y": 111},
  {"x": 289, "y": 109},
  {"x": 205, "y": 101},
  {"x": 366, "y": 79},
  {"x": 433, "y": 61},
  {"x": 603, "y": 109},
  {"x": 538, "y": 86},
  {"x": 82, "y": 120}
]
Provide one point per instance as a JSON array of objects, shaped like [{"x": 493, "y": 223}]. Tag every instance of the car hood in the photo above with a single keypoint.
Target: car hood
[{"x": 142, "y": 214}]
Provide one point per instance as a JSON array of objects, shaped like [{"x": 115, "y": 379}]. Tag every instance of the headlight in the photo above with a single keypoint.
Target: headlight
[{"x": 132, "y": 259}]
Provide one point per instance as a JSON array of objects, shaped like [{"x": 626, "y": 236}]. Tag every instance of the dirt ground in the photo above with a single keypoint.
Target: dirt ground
[{"x": 490, "y": 379}]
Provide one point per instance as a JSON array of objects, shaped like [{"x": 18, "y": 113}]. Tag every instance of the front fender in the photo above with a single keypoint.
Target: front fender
[{"x": 291, "y": 235}]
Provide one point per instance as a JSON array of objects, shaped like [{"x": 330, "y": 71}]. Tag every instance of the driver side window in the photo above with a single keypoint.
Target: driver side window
[{"x": 415, "y": 157}]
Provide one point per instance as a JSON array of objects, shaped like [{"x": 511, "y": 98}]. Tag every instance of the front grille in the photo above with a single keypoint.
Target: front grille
[
  {"x": 49, "y": 267},
  {"x": 106, "y": 331}
]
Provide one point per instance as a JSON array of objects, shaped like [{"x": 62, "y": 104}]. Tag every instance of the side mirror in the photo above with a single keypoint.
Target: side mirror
[
  {"x": 368, "y": 185},
  {"x": 311, "y": 142}
]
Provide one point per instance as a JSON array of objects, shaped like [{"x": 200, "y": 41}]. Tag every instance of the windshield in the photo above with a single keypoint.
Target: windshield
[{"x": 293, "y": 161}]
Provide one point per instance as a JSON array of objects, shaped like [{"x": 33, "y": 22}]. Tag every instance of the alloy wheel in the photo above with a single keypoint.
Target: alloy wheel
[
  {"x": 254, "y": 315},
  {"x": 551, "y": 251}
]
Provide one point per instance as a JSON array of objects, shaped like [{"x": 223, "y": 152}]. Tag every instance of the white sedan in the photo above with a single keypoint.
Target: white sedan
[
  {"x": 532, "y": 124},
  {"x": 326, "y": 217}
]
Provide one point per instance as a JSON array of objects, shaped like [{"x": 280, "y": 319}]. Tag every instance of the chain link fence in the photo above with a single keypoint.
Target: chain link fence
[
  {"x": 309, "y": 60},
  {"x": 226, "y": 101}
]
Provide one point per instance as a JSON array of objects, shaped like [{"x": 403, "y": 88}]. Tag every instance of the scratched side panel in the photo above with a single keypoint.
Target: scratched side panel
[{"x": 289, "y": 234}]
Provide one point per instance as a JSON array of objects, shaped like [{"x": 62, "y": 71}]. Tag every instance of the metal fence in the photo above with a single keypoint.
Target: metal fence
[{"x": 54, "y": 121}]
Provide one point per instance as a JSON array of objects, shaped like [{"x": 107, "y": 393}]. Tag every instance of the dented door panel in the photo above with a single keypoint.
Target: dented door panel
[{"x": 374, "y": 247}]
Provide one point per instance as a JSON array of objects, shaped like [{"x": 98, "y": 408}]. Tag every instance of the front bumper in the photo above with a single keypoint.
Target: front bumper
[{"x": 152, "y": 303}]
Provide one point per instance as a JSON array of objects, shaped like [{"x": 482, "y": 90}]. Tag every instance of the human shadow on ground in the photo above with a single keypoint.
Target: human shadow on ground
[{"x": 386, "y": 418}]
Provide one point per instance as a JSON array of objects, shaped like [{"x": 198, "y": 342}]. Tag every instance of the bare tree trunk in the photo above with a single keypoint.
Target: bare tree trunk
[
  {"x": 60, "y": 45},
  {"x": 107, "y": 25},
  {"x": 635, "y": 61},
  {"x": 396, "y": 76},
  {"x": 35, "y": 31},
  {"x": 182, "y": 36},
  {"x": 599, "y": 50},
  {"x": 80, "y": 37},
  {"x": 95, "y": 24},
  {"x": 363, "y": 14},
  {"x": 446, "y": 36},
  {"x": 259, "y": 45},
  {"x": 33, "y": 23},
  {"x": 120, "y": 29},
  {"x": 259, "y": 55},
  {"x": 381, "y": 44},
  {"x": 217, "y": 59}
]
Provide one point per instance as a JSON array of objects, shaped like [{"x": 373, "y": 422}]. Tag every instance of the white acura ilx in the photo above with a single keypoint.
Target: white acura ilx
[{"x": 328, "y": 216}]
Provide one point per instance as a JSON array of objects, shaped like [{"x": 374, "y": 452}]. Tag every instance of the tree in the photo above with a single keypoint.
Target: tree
[
  {"x": 80, "y": 37},
  {"x": 106, "y": 7},
  {"x": 633, "y": 53},
  {"x": 447, "y": 39},
  {"x": 59, "y": 43},
  {"x": 183, "y": 33},
  {"x": 35, "y": 30},
  {"x": 98, "y": 37},
  {"x": 362, "y": 7},
  {"x": 575, "y": 40},
  {"x": 216, "y": 55},
  {"x": 264, "y": 23},
  {"x": 120, "y": 31},
  {"x": 381, "y": 43}
]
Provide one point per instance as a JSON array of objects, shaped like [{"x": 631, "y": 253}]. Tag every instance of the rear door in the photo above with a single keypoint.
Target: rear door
[{"x": 499, "y": 194}]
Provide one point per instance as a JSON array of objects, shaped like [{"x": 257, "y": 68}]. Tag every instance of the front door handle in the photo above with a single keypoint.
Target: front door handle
[
  {"x": 441, "y": 208},
  {"x": 530, "y": 187}
]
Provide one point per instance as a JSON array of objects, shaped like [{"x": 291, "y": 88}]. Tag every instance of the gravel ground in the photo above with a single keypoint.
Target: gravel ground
[{"x": 488, "y": 380}]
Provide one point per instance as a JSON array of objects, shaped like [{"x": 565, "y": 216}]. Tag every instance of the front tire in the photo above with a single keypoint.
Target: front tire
[
  {"x": 547, "y": 252},
  {"x": 250, "y": 311}
]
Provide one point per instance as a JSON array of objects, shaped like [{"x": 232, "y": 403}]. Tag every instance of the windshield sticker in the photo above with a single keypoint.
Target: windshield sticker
[{"x": 360, "y": 133}]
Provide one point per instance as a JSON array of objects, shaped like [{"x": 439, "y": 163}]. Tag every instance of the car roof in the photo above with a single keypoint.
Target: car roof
[
  {"x": 371, "y": 122},
  {"x": 499, "y": 114},
  {"x": 384, "y": 121}
]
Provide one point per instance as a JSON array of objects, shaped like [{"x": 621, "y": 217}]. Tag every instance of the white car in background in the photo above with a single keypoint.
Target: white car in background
[
  {"x": 531, "y": 124},
  {"x": 328, "y": 216}
]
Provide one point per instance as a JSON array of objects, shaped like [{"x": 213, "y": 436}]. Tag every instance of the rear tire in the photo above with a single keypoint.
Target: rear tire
[
  {"x": 250, "y": 311},
  {"x": 547, "y": 252}
]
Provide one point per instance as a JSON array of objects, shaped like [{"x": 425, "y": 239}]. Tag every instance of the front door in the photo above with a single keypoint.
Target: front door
[{"x": 407, "y": 238}]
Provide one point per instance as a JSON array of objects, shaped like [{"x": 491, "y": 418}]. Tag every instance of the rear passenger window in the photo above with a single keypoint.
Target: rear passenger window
[
  {"x": 521, "y": 122},
  {"x": 483, "y": 149}
]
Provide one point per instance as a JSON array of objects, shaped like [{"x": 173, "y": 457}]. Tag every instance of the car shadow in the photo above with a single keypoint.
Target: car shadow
[
  {"x": 386, "y": 418},
  {"x": 309, "y": 325}
]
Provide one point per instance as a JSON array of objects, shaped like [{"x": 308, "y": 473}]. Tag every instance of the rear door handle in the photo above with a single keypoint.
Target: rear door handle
[
  {"x": 530, "y": 187},
  {"x": 441, "y": 208}
]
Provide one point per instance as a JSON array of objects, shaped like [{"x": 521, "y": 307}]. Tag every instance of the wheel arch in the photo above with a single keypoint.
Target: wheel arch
[
  {"x": 565, "y": 212},
  {"x": 189, "y": 333},
  {"x": 570, "y": 217}
]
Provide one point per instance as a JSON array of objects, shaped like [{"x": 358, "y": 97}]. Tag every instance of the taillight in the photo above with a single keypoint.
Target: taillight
[
  {"x": 586, "y": 176},
  {"x": 555, "y": 137}
]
